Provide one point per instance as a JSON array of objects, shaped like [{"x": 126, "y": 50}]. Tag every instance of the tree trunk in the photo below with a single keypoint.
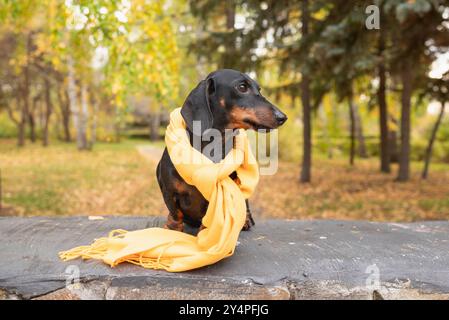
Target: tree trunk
[
  {"x": 24, "y": 91},
  {"x": 75, "y": 108},
  {"x": 404, "y": 156},
  {"x": 305, "y": 99},
  {"x": 228, "y": 56},
  {"x": 32, "y": 119},
  {"x": 84, "y": 117},
  {"x": 32, "y": 124},
  {"x": 352, "y": 129},
  {"x": 359, "y": 132},
  {"x": 64, "y": 105},
  {"x": 22, "y": 101},
  {"x": 433, "y": 135},
  {"x": 155, "y": 122},
  {"x": 385, "y": 157},
  {"x": 48, "y": 111},
  {"x": 117, "y": 124},
  {"x": 93, "y": 128},
  {"x": 393, "y": 146},
  {"x": 18, "y": 122},
  {"x": 230, "y": 14},
  {"x": 1, "y": 193}
]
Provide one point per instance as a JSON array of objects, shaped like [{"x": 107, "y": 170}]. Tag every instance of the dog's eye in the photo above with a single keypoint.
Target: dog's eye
[{"x": 242, "y": 87}]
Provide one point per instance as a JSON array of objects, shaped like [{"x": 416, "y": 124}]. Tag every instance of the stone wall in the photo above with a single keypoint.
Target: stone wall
[{"x": 277, "y": 259}]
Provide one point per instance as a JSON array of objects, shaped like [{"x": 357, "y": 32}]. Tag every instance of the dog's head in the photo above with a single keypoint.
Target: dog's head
[{"x": 228, "y": 99}]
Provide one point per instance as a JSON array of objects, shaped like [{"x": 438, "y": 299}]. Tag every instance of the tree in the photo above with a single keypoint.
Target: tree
[
  {"x": 16, "y": 16},
  {"x": 64, "y": 105},
  {"x": 48, "y": 112},
  {"x": 433, "y": 135},
  {"x": 219, "y": 42},
  {"x": 385, "y": 157},
  {"x": 352, "y": 127},
  {"x": 406, "y": 95},
  {"x": 438, "y": 89},
  {"x": 306, "y": 108},
  {"x": 341, "y": 54},
  {"x": 51, "y": 47},
  {"x": 418, "y": 24},
  {"x": 342, "y": 46}
]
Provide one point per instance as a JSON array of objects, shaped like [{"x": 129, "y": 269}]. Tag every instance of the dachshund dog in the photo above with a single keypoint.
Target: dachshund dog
[{"x": 226, "y": 99}]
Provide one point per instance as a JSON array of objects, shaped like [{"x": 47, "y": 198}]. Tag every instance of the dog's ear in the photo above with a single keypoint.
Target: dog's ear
[{"x": 197, "y": 105}]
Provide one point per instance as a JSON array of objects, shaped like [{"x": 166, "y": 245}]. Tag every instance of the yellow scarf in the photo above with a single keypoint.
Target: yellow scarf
[{"x": 174, "y": 251}]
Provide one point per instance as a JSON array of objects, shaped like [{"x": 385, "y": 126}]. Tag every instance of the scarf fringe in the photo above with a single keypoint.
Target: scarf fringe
[
  {"x": 96, "y": 250},
  {"x": 100, "y": 247}
]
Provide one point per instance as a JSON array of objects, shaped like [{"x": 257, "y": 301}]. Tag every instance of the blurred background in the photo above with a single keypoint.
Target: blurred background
[{"x": 86, "y": 88}]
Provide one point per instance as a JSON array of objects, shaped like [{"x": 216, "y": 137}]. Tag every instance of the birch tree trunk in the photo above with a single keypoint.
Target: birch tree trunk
[
  {"x": 93, "y": 128},
  {"x": 78, "y": 122},
  {"x": 84, "y": 116},
  {"x": 48, "y": 111},
  {"x": 64, "y": 105},
  {"x": 154, "y": 125},
  {"x": 24, "y": 91}
]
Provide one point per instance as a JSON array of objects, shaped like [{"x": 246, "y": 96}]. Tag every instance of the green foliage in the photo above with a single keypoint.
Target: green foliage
[
  {"x": 443, "y": 133},
  {"x": 290, "y": 138},
  {"x": 404, "y": 10},
  {"x": 137, "y": 37},
  {"x": 7, "y": 128}
]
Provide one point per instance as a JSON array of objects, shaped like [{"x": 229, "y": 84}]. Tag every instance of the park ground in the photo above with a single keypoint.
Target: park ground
[{"x": 115, "y": 179}]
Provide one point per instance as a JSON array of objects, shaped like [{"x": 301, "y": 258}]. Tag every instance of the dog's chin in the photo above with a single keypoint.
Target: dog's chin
[{"x": 258, "y": 126}]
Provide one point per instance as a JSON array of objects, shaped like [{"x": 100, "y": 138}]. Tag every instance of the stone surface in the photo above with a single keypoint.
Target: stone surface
[{"x": 277, "y": 259}]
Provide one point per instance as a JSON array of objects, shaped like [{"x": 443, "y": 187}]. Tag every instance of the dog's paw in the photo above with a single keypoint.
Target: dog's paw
[
  {"x": 172, "y": 224},
  {"x": 248, "y": 223}
]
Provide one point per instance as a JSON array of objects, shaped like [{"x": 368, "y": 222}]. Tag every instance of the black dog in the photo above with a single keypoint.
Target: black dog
[{"x": 226, "y": 99}]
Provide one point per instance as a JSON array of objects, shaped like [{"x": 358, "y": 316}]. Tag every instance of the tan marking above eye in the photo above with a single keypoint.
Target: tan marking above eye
[{"x": 222, "y": 102}]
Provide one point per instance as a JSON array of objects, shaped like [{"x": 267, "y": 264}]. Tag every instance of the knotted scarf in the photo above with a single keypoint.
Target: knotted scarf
[{"x": 174, "y": 251}]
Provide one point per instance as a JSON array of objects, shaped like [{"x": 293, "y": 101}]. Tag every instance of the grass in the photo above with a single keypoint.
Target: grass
[
  {"x": 114, "y": 179},
  {"x": 111, "y": 179},
  {"x": 339, "y": 191}
]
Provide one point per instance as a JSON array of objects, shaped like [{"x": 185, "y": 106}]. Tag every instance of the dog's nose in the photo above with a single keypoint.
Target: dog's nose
[{"x": 280, "y": 117}]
